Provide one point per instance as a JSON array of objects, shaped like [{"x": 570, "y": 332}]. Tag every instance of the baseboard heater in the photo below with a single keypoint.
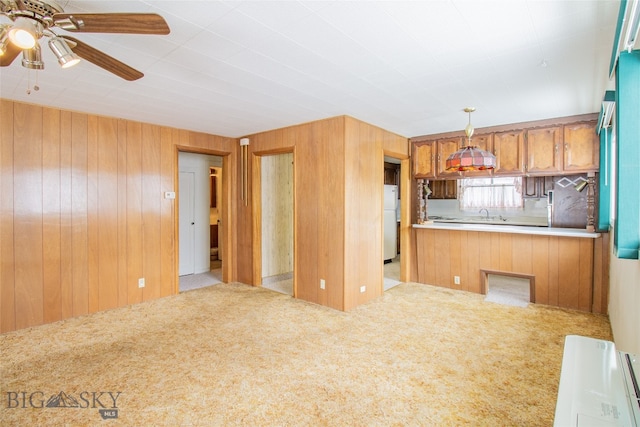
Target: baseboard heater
[{"x": 598, "y": 385}]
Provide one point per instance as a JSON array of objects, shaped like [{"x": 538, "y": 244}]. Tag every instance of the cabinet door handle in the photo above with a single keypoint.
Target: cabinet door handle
[
  {"x": 556, "y": 148},
  {"x": 566, "y": 147}
]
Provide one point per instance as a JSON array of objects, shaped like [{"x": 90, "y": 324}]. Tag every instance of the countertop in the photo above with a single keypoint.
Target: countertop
[{"x": 517, "y": 229}]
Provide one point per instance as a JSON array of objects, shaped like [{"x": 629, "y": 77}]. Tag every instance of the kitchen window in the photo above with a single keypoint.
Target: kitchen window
[{"x": 502, "y": 192}]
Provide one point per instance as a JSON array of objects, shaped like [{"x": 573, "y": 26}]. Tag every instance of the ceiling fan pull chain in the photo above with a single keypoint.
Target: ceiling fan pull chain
[{"x": 35, "y": 86}]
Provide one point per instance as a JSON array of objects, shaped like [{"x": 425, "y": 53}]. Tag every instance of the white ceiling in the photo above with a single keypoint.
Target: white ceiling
[{"x": 233, "y": 68}]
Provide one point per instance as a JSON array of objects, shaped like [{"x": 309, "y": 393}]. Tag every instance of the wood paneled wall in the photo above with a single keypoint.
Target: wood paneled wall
[
  {"x": 568, "y": 271},
  {"x": 318, "y": 208},
  {"x": 338, "y": 170},
  {"x": 82, "y": 213},
  {"x": 365, "y": 147}
]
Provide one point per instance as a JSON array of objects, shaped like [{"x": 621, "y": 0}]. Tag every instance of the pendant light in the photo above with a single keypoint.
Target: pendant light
[{"x": 470, "y": 158}]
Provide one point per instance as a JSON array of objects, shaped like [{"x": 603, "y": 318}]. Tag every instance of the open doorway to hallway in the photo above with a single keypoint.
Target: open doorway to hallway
[
  {"x": 199, "y": 205},
  {"x": 391, "y": 222},
  {"x": 276, "y": 194}
]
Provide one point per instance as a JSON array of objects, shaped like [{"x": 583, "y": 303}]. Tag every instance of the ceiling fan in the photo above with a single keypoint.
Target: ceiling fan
[{"x": 35, "y": 19}]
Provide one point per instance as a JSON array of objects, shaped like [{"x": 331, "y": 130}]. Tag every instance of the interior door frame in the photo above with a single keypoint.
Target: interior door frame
[
  {"x": 405, "y": 214},
  {"x": 227, "y": 221},
  {"x": 256, "y": 207}
]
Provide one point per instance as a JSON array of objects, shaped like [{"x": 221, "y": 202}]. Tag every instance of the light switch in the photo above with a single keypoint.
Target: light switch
[{"x": 169, "y": 194}]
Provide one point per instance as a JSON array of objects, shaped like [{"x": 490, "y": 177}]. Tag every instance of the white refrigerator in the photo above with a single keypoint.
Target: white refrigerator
[{"x": 390, "y": 222}]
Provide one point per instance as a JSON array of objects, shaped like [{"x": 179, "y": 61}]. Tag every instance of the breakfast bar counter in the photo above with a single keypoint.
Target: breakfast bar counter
[
  {"x": 567, "y": 267},
  {"x": 514, "y": 229}
]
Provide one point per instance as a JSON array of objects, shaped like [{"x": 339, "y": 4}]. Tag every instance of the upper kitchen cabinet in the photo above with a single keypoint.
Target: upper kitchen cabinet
[
  {"x": 544, "y": 156},
  {"x": 551, "y": 147},
  {"x": 581, "y": 148},
  {"x": 443, "y": 189},
  {"x": 483, "y": 142},
  {"x": 424, "y": 160},
  {"x": 446, "y": 147},
  {"x": 508, "y": 147}
]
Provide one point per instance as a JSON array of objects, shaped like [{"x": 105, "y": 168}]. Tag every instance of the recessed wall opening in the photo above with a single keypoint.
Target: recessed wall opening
[{"x": 508, "y": 288}]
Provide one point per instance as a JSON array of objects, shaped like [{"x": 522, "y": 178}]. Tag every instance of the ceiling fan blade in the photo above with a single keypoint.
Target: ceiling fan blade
[
  {"x": 12, "y": 53},
  {"x": 127, "y": 23},
  {"x": 103, "y": 60}
]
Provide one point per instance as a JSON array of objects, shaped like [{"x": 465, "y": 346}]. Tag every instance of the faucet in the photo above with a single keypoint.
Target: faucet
[{"x": 486, "y": 210}]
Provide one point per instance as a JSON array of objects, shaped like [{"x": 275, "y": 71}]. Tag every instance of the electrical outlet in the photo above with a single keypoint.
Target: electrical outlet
[
  {"x": 322, "y": 283},
  {"x": 363, "y": 289},
  {"x": 141, "y": 282},
  {"x": 456, "y": 280}
]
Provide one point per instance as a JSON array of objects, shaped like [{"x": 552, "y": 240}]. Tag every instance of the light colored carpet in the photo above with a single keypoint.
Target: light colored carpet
[
  {"x": 235, "y": 355},
  {"x": 282, "y": 283},
  {"x": 392, "y": 273},
  {"x": 196, "y": 281},
  {"x": 508, "y": 290}
]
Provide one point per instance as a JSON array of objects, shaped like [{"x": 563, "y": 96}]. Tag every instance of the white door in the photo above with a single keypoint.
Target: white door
[{"x": 187, "y": 223}]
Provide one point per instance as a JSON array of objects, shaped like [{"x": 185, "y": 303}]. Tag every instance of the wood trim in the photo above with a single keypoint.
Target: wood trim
[
  {"x": 405, "y": 221},
  {"x": 256, "y": 220}
]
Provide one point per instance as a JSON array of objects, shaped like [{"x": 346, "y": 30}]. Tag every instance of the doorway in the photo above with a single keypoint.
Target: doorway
[
  {"x": 276, "y": 207},
  {"x": 198, "y": 216},
  {"x": 391, "y": 225}
]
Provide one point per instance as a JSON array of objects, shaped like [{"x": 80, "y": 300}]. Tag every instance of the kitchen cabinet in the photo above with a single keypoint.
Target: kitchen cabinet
[
  {"x": 536, "y": 187},
  {"x": 424, "y": 160},
  {"x": 391, "y": 174},
  {"x": 508, "y": 147},
  {"x": 581, "y": 148},
  {"x": 549, "y": 148},
  {"x": 444, "y": 189},
  {"x": 446, "y": 147},
  {"x": 542, "y": 146},
  {"x": 483, "y": 142},
  {"x": 430, "y": 158}
]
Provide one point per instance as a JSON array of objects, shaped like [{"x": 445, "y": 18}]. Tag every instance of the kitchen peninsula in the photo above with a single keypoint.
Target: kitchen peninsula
[{"x": 566, "y": 265}]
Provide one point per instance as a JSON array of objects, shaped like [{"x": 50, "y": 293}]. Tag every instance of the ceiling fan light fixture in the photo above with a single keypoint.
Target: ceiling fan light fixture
[
  {"x": 32, "y": 58},
  {"x": 62, "y": 51},
  {"x": 25, "y": 33}
]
